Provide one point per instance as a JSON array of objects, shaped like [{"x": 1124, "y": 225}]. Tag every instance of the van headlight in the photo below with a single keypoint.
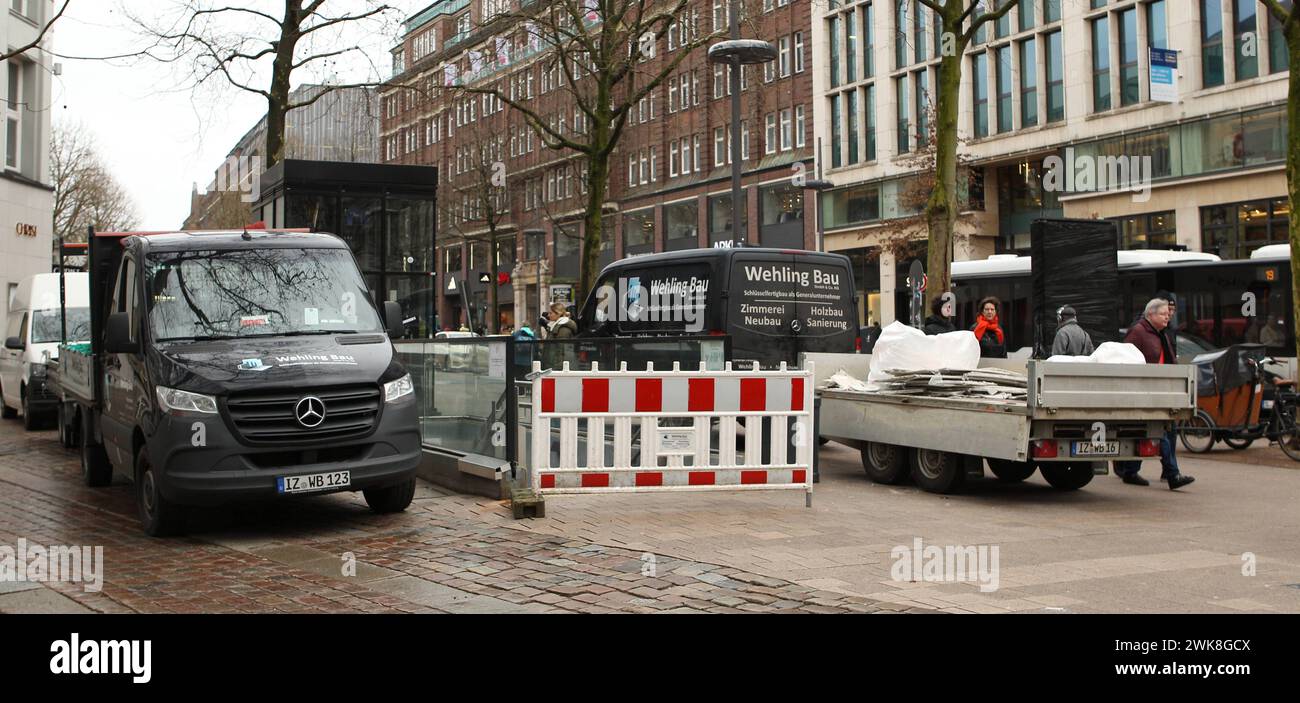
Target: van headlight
[
  {"x": 395, "y": 390},
  {"x": 172, "y": 399}
]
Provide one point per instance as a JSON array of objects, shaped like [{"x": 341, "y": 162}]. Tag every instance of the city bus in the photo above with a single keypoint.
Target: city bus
[{"x": 1219, "y": 302}]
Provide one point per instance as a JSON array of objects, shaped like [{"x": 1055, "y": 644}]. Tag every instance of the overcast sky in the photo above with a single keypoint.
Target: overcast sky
[{"x": 158, "y": 134}]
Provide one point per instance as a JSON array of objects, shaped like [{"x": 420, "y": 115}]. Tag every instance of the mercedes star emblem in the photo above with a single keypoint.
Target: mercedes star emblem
[{"x": 310, "y": 411}]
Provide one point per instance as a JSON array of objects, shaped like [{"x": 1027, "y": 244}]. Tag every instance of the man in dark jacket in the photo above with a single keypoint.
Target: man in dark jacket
[
  {"x": 937, "y": 322},
  {"x": 1071, "y": 339},
  {"x": 1148, "y": 336}
]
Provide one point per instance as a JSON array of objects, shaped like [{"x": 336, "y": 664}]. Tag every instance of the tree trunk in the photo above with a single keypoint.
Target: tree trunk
[
  {"x": 941, "y": 210},
  {"x": 494, "y": 315},
  {"x": 1293, "y": 170},
  {"x": 277, "y": 99}
]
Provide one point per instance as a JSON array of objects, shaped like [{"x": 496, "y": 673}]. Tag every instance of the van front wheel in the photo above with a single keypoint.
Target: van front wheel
[
  {"x": 390, "y": 499},
  {"x": 159, "y": 517}
]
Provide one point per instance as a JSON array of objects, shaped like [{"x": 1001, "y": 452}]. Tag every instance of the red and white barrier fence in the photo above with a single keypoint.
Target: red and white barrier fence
[{"x": 676, "y": 412}]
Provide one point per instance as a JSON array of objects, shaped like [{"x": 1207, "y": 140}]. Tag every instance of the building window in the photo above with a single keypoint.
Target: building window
[
  {"x": 836, "y": 133},
  {"x": 850, "y": 49},
  {"x": 1005, "y": 88},
  {"x": 1026, "y": 13},
  {"x": 918, "y": 33},
  {"x": 833, "y": 33},
  {"x": 799, "y": 140},
  {"x": 1211, "y": 43},
  {"x": 769, "y": 136},
  {"x": 1279, "y": 56},
  {"x": 900, "y": 35},
  {"x": 1028, "y": 84},
  {"x": 1157, "y": 28},
  {"x": 1055, "y": 78},
  {"x": 1246, "y": 39},
  {"x": 1129, "y": 90},
  {"x": 720, "y": 153},
  {"x": 787, "y": 130},
  {"x": 639, "y": 229},
  {"x": 798, "y": 52},
  {"x": 1154, "y": 231},
  {"x": 851, "y": 112},
  {"x": 980, "y": 91},
  {"x": 871, "y": 122},
  {"x": 1234, "y": 231},
  {"x": 1100, "y": 65},
  {"x": 922, "y": 93},
  {"x": 904, "y": 125},
  {"x": 783, "y": 56},
  {"x": 14, "y": 116},
  {"x": 868, "y": 44}
]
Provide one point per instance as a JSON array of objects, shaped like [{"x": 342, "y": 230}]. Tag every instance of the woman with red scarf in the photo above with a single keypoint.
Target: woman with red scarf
[{"x": 993, "y": 343}]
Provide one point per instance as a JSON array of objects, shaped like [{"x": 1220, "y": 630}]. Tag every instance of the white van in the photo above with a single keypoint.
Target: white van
[{"x": 33, "y": 336}]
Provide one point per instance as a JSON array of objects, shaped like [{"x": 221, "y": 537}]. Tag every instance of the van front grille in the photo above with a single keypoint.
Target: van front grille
[{"x": 271, "y": 417}]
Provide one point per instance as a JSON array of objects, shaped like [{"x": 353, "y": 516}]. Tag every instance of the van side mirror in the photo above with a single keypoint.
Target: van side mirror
[
  {"x": 393, "y": 320},
  {"x": 117, "y": 335},
  {"x": 15, "y": 343}
]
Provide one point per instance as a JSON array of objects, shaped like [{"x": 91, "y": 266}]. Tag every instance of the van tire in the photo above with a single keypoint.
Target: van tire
[
  {"x": 96, "y": 470},
  {"x": 936, "y": 471},
  {"x": 1067, "y": 476},
  {"x": 885, "y": 463},
  {"x": 390, "y": 499},
  {"x": 159, "y": 517},
  {"x": 6, "y": 412},
  {"x": 31, "y": 422}
]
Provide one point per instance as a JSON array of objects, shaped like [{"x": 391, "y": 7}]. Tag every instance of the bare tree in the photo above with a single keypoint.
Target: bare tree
[
  {"x": 45, "y": 29},
  {"x": 223, "y": 43},
  {"x": 601, "y": 51},
  {"x": 475, "y": 204},
  {"x": 85, "y": 193},
  {"x": 960, "y": 21}
]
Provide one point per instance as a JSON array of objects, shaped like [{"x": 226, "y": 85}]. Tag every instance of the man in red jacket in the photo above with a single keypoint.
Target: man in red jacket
[{"x": 1148, "y": 335}]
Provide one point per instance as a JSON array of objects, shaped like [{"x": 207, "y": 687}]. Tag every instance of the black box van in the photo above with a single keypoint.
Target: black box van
[{"x": 775, "y": 303}]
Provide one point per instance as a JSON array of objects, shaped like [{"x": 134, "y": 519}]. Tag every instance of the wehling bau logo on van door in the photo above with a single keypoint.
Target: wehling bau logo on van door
[{"x": 664, "y": 300}]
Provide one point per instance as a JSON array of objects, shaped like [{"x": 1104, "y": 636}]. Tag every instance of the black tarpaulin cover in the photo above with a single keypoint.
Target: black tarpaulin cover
[
  {"x": 1074, "y": 264},
  {"x": 1221, "y": 371}
]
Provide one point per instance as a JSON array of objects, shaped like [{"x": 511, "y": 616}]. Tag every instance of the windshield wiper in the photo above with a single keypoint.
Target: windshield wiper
[
  {"x": 299, "y": 333},
  {"x": 195, "y": 338}
]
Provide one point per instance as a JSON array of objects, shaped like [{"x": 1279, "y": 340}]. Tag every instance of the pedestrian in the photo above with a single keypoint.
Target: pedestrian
[
  {"x": 869, "y": 334},
  {"x": 1071, "y": 339},
  {"x": 1148, "y": 336},
  {"x": 937, "y": 322},
  {"x": 993, "y": 343},
  {"x": 561, "y": 325}
]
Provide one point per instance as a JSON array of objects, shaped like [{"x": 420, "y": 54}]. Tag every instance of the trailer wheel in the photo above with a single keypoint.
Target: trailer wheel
[
  {"x": 95, "y": 469},
  {"x": 159, "y": 517},
  {"x": 1067, "y": 476},
  {"x": 1009, "y": 471},
  {"x": 884, "y": 463},
  {"x": 937, "y": 472}
]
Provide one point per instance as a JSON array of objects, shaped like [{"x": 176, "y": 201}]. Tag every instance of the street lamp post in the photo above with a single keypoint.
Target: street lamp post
[
  {"x": 819, "y": 185},
  {"x": 736, "y": 53}
]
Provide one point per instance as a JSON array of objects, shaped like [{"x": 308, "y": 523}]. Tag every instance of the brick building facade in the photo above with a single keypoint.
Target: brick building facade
[{"x": 669, "y": 181}]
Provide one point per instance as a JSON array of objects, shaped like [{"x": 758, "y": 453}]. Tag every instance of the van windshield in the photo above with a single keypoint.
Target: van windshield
[
  {"x": 256, "y": 293},
  {"x": 48, "y": 326}
]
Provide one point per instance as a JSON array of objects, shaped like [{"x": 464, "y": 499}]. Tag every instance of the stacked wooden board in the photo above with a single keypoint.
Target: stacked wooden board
[{"x": 984, "y": 384}]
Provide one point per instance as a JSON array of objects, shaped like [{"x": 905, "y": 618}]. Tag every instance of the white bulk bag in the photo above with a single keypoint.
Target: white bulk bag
[{"x": 901, "y": 347}]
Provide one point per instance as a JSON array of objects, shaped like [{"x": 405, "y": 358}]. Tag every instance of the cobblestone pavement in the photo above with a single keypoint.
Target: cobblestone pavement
[{"x": 330, "y": 554}]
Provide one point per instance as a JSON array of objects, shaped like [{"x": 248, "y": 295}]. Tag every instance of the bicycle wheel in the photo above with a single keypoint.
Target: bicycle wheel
[
  {"x": 1287, "y": 436},
  {"x": 1197, "y": 434}
]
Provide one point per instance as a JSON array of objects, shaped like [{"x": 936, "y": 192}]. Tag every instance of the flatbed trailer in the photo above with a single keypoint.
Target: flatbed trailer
[{"x": 1075, "y": 419}]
